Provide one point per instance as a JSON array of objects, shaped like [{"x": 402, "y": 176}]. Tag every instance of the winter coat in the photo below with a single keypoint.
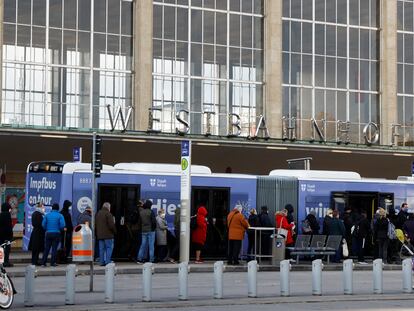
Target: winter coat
[
  {"x": 402, "y": 217},
  {"x": 148, "y": 221},
  {"x": 363, "y": 228},
  {"x": 177, "y": 219},
  {"x": 237, "y": 225},
  {"x": 254, "y": 221},
  {"x": 290, "y": 210},
  {"x": 282, "y": 222},
  {"x": 53, "y": 222},
  {"x": 161, "y": 231},
  {"x": 66, "y": 215},
  {"x": 6, "y": 225},
  {"x": 84, "y": 218},
  {"x": 409, "y": 229},
  {"x": 381, "y": 229},
  {"x": 336, "y": 227},
  {"x": 37, "y": 238},
  {"x": 105, "y": 225},
  {"x": 199, "y": 234},
  {"x": 264, "y": 220},
  {"x": 313, "y": 223},
  {"x": 326, "y": 221}
]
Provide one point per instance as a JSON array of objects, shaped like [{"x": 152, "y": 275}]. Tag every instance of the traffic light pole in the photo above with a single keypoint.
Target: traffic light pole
[{"x": 93, "y": 212}]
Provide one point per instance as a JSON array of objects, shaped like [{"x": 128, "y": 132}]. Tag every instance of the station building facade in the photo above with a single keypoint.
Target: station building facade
[{"x": 251, "y": 82}]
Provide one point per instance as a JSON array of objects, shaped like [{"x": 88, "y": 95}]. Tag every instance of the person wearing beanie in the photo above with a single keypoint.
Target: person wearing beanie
[
  {"x": 237, "y": 225},
  {"x": 53, "y": 223},
  {"x": 6, "y": 231},
  {"x": 67, "y": 236},
  {"x": 37, "y": 238}
]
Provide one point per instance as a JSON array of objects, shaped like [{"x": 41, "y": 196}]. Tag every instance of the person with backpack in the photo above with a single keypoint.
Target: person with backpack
[
  {"x": 148, "y": 227},
  {"x": 237, "y": 225},
  {"x": 199, "y": 234},
  {"x": 310, "y": 225},
  {"x": 381, "y": 234}
]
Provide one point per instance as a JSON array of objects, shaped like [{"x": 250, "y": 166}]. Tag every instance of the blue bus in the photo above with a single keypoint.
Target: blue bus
[{"x": 124, "y": 184}]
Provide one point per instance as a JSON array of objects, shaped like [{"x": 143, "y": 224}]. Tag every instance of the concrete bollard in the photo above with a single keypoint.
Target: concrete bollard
[
  {"x": 252, "y": 278},
  {"x": 183, "y": 280},
  {"x": 147, "y": 271},
  {"x": 29, "y": 277},
  {"x": 317, "y": 267},
  {"x": 70, "y": 284},
  {"x": 407, "y": 268},
  {"x": 348, "y": 268},
  {"x": 109, "y": 282},
  {"x": 285, "y": 267},
  {"x": 377, "y": 277},
  {"x": 218, "y": 280}
]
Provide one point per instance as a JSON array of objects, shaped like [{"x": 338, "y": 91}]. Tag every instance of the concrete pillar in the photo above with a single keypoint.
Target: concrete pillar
[
  {"x": 142, "y": 62},
  {"x": 272, "y": 101},
  {"x": 1, "y": 54},
  {"x": 388, "y": 69}
]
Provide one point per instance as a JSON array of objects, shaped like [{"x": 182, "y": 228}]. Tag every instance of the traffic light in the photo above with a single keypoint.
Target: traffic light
[{"x": 97, "y": 155}]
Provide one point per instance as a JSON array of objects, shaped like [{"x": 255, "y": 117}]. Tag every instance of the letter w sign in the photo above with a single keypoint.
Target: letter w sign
[{"x": 119, "y": 115}]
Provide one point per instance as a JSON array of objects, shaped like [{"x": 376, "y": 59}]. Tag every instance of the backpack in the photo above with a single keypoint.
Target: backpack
[
  {"x": 306, "y": 228},
  {"x": 391, "y": 231},
  {"x": 193, "y": 222}
]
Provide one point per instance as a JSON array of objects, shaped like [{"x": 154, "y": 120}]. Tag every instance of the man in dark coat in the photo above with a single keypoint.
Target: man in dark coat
[
  {"x": 6, "y": 231},
  {"x": 67, "y": 236},
  {"x": 361, "y": 233},
  {"x": 264, "y": 221},
  {"x": 37, "y": 238},
  {"x": 402, "y": 216},
  {"x": 105, "y": 232}
]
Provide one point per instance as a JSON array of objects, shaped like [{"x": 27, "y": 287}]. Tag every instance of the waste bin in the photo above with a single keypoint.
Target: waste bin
[
  {"x": 82, "y": 243},
  {"x": 278, "y": 248}
]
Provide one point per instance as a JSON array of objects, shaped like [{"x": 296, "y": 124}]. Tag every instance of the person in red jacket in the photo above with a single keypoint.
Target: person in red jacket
[
  {"x": 282, "y": 222},
  {"x": 199, "y": 234}
]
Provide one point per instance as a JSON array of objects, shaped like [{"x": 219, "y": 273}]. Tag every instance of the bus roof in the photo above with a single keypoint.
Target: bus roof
[
  {"x": 315, "y": 174},
  {"x": 71, "y": 167},
  {"x": 159, "y": 168}
]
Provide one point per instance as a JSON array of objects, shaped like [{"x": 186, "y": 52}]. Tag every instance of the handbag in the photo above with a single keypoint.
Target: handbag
[
  {"x": 345, "y": 251},
  {"x": 281, "y": 231}
]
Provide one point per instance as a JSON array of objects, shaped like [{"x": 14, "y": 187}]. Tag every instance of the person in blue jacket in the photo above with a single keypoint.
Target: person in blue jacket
[{"x": 53, "y": 223}]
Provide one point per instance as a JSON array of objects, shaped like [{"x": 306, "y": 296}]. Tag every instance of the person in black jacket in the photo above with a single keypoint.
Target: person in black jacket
[
  {"x": 67, "y": 237},
  {"x": 264, "y": 220},
  {"x": 6, "y": 231},
  {"x": 313, "y": 223},
  {"x": 381, "y": 234},
  {"x": 37, "y": 238},
  {"x": 253, "y": 222},
  {"x": 361, "y": 232},
  {"x": 402, "y": 216}
]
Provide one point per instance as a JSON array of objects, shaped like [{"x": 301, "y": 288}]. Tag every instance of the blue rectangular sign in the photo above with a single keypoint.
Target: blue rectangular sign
[
  {"x": 185, "y": 148},
  {"x": 77, "y": 154}
]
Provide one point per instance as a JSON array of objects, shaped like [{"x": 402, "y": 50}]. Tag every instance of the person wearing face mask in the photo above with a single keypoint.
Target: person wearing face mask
[
  {"x": 37, "y": 238},
  {"x": 161, "y": 232},
  {"x": 67, "y": 238}
]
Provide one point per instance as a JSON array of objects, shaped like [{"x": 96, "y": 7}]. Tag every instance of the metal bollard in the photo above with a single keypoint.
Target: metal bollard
[
  {"x": 348, "y": 268},
  {"x": 317, "y": 267},
  {"x": 183, "y": 281},
  {"x": 252, "y": 278},
  {"x": 29, "y": 277},
  {"x": 147, "y": 271},
  {"x": 70, "y": 284},
  {"x": 218, "y": 280},
  {"x": 109, "y": 282},
  {"x": 377, "y": 270},
  {"x": 407, "y": 266},
  {"x": 285, "y": 267}
]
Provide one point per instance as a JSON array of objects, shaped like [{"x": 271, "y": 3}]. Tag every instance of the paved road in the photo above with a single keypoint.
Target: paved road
[{"x": 50, "y": 293}]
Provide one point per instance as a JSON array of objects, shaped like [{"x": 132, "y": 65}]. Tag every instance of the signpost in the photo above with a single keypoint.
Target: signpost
[
  {"x": 185, "y": 197},
  {"x": 412, "y": 169}
]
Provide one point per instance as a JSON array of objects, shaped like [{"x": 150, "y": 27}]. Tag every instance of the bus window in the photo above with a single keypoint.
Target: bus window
[{"x": 386, "y": 200}]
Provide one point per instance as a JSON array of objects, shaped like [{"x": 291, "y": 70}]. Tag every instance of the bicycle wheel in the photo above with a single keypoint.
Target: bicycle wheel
[{"x": 6, "y": 292}]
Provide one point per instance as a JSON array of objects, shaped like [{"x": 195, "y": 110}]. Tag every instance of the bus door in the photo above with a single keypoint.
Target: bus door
[
  {"x": 217, "y": 202},
  {"x": 122, "y": 199}
]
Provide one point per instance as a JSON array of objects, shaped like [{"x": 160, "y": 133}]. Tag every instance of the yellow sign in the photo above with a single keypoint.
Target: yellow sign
[{"x": 184, "y": 164}]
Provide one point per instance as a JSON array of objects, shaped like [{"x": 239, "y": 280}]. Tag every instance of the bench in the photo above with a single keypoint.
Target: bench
[{"x": 319, "y": 245}]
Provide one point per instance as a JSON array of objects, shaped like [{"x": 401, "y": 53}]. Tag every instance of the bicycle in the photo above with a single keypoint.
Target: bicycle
[{"x": 7, "y": 289}]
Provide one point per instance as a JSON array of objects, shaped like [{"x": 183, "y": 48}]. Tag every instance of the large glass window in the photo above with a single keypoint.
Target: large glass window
[
  {"x": 330, "y": 64},
  {"x": 405, "y": 42},
  {"x": 207, "y": 58},
  {"x": 50, "y": 76}
]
